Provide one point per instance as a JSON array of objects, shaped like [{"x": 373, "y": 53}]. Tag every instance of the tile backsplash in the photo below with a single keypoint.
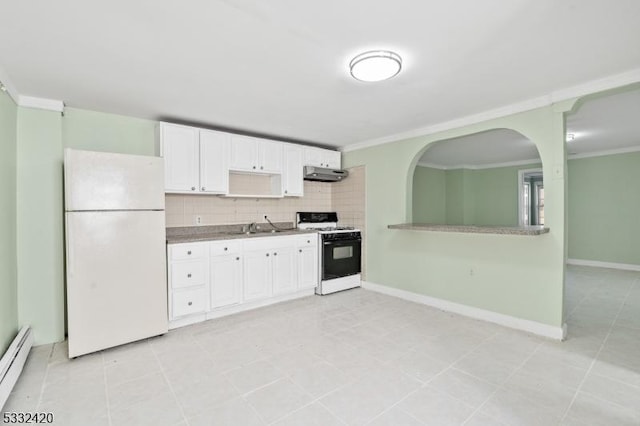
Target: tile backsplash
[{"x": 181, "y": 210}]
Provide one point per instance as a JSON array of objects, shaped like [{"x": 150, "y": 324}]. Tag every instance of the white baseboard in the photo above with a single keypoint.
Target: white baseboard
[
  {"x": 598, "y": 264},
  {"x": 13, "y": 361},
  {"x": 545, "y": 330}
]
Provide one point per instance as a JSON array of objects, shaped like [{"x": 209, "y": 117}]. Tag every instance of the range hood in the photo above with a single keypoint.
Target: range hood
[{"x": 324, "y": 175}]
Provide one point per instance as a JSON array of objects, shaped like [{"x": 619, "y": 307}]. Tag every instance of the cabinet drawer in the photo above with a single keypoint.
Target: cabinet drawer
[
  {"x": 219, "y": 248},
  {"x": 186, "y": 274},
  {"x": 308, "y": 240},
  {"x": 187, "y": 251},
  {"x": 189, "y": 302}
]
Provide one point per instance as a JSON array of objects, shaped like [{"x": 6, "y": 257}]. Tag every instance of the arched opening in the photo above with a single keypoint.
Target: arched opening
[{"x": 491, "y": 178}]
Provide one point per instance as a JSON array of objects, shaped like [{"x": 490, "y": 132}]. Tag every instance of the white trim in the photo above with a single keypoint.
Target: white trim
[
  {"x": 599, "y": 264},
  {"x": 605, "y": 152},
  {"x": 41, "y": 103},
  {"x": 593, "y": 86},
  {"x": 481, "y": 166},
  {"x": 534, "y": 327},
  {"x": 433, "y": 166},
  {"x": 11, "y": 89},
  {"x": 521, "y": 174}
]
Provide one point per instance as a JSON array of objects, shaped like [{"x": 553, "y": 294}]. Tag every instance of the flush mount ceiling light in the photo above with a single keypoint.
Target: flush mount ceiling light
[
  {"x": 375, "y": 65},
  {"x": 570, "y": 137}
]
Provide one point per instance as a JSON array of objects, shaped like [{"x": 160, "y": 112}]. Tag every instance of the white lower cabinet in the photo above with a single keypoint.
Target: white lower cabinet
[
  {"x": 226, "y": 280},
  {"x": 188, "y": 279},
  {"x": 257, "y": 275},
  {"x": 284, "y": 270},
  {"x": 209, "y": 279},
  {"x": 187, "y": 302}
]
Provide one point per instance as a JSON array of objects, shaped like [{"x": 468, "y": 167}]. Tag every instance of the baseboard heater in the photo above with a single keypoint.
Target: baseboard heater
[{"x": 13, "y": 361}]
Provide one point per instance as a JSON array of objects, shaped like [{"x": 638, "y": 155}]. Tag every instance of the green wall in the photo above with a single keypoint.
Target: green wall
[
  {"x": 39, "y": 225},
  {"x": 8, "y": 258},
  {"x": 518, "y": 276},
  {"x": 97, "y": 131},
  {"x": 604, "y": 208},
  {"x": 467, "y": 196},
  {"x": 429, "y": 195}
]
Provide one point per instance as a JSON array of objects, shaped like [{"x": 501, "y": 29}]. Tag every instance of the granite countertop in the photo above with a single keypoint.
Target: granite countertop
[
  {"x": 472, "y": 229},
  {"x": 190, "y": 234}
]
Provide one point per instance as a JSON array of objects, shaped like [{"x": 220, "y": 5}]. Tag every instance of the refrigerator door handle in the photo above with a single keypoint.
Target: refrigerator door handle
[{"x": 70, "y": 249}]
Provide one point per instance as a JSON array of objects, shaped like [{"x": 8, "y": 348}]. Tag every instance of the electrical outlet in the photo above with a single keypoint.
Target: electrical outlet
[{"x": 198, "y": 220}]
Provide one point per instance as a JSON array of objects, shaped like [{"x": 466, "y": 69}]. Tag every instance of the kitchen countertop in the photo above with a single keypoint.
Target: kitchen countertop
[
  {"x": 472, "y": 229},
  {"x": 190, "y": 234}
]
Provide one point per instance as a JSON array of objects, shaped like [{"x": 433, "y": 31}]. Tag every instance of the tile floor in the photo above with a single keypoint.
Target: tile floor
[{"x": 359, "y": 357}]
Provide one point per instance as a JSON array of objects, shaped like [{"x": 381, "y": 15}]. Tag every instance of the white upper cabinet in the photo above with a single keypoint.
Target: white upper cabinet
[
  {"x": 332, "y": 159},
  {"x": 214, "y": 162},
  {"x": 180, "y": 151},
  {"x": 292, "y": 172},
  {"x": 270, "y": 154},
  {"x": 319, "y": 157},
  {"x": 196, "y": 161},
  {"x": 244, "y": 153},
  {"x": 249, "y": 154}
]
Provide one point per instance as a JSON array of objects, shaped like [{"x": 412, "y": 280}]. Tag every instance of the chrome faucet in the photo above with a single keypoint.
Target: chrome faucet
[{"x": 253, "y": 227}]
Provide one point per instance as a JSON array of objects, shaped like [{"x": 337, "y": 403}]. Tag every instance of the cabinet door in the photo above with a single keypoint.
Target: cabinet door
[
  {"x": 180, "y": 152},
  {"x": 307, "y": 267},
  {"x": 271, "y": 156},
  {"x": 244, "y": 153},
  {"x": 331, "y": 159},
  {"x": 226, "y": 280},
  {"x": 313, "y": 157},
  {"x": 257, "y": 275},
  {"x": 214, "y": 162},
  {"x": 292, "y": 172},
  {"x": 284, "y": 270}
]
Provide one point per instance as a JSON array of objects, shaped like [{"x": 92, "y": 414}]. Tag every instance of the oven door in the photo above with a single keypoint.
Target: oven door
[{"x": 340, "y": 258}]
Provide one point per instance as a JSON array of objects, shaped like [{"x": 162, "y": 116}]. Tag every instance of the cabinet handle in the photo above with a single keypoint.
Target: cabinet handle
[
  {"x": 193, "y": 188},
  {"x": 300, "y": 250},
  {"x": 190, "y": 303},
  {"x": 237, "y": 258},
  {"x": 254, "y": 167},
  {"x": 189, "y": 253},
  {"x": 226, "y": 248},
  {"x": 308, "y": 241},
  {"x": 267, "y": 254},
  {"x": 203, "y": 188},
  {"x": 286, "y": 192},
  {"x": 261, "y": 167},
  {"x": 188, "y": 275},
  {"x": 275, "y": 254}
]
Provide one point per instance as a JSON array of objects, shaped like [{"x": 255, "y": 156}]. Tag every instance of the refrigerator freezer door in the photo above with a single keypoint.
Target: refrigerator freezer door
[
  {"x": 106, "y": 181},
  {"x": 116, "y": 278}
]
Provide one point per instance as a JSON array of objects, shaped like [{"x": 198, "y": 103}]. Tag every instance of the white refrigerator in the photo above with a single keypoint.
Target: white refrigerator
[{"x": 115, "y": 249}]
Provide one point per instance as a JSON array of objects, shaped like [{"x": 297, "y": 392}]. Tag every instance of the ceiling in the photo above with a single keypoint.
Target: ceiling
[
  {"x": 599, "y": 124},
  {"x": 279, "y": 67}
]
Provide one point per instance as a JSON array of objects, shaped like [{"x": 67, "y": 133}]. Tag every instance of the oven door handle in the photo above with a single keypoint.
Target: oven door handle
[{"x": 342, "y": 242}]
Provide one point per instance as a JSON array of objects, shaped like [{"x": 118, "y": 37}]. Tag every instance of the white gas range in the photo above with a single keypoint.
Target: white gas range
[{"x": 340, "y": 251}]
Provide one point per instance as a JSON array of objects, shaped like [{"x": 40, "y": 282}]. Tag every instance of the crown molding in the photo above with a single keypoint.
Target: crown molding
[
  {"x": 480, "y": 166},
  {"x": 11, "y": 89},
  {"x": 626, "y": 150},
  {"x": 593, "y": 86},
  {"x": 41, "y": 103}
]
